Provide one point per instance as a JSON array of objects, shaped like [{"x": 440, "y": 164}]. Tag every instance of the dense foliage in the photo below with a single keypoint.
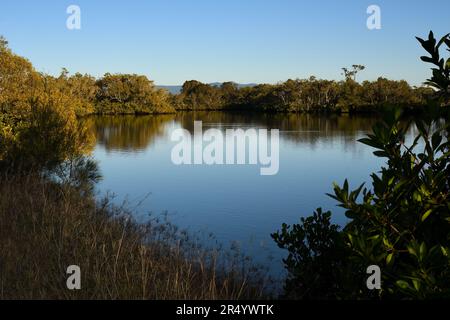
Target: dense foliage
[
  {"x": 130, "y": 94},
  {"x": 302, "y": 95},
  {"x": 38, "y": 125},
  {"x": 21, "y": 85},
  {"x": 401, "y": 223}
]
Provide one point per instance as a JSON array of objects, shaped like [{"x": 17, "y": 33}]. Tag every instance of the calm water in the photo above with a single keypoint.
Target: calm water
[{"x": 233, "y": 202}]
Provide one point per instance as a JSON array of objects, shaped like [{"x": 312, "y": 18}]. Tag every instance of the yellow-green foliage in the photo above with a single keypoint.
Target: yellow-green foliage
[
  {"x": 130, "y": 94},
  {"x": 38, "y": 125},
  {"x": 18, "y": 82},
  {"x": 81, "y": 88}
]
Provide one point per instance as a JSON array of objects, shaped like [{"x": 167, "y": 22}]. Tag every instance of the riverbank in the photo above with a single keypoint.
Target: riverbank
[
  {"x": 359, "y": 110},
  {"x": 46, "y": 227}
]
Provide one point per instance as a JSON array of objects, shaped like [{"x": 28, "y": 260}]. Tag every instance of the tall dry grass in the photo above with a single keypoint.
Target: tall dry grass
[{"x": 47, "y": 226}]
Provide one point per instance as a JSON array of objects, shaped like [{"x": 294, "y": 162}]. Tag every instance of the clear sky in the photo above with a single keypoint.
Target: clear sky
[{"x": 247, "y": 41}]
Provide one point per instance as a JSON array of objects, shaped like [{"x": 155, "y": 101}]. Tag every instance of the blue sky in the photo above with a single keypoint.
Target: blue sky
[{"x": 247, "y": 41}]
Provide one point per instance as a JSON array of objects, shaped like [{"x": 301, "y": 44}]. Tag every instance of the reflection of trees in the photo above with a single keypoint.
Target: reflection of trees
[
  {"x": 297, "y": 128},
  {"x": 128, "y": 133},
  {"x": 135, "y": 133}
]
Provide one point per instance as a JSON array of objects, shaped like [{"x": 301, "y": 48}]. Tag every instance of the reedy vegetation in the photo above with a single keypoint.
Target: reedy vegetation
[{"x": 47, "y": 226}]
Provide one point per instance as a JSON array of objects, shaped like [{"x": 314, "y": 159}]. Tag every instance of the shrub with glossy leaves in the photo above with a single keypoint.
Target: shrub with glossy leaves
[{"x": 401, "y": 223}]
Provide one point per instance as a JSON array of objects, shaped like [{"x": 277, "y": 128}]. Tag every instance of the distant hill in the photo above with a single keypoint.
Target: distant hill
[
  {"x": 171, "y": 89},
  {"x": 177, "y": 89}
]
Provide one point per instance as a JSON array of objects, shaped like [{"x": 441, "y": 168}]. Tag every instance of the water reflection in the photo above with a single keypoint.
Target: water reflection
[
  {"x": 234, "y": 202},
  {"x": 128, "y": 133},
  {"x": 136, "y": 133}
]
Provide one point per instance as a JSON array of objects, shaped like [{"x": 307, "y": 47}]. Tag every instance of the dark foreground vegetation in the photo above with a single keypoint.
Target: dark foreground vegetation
[{"x": 401, "y": 223}]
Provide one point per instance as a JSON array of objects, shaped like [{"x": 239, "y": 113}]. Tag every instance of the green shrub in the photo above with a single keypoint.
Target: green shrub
[{"x": 401, "y": 223}]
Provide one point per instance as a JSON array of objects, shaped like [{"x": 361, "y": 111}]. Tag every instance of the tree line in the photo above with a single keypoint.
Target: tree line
[
  {"x": 22, "y": 85},
  {"x": 303, "y": 95}
]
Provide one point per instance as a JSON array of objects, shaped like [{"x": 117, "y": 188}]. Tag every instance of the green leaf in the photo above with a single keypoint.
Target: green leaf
[
  {"x": 422, "y": 250},
  {"x": 426, "y": 214},
  {"x": 445, "y": 251},
  {"x": 416, "y": 284},
  {"x": 417, "y": 197},
  {"x": 390, "y": 259},
  {"x": 412, "y": 250},
  {"x": 403, "y": 284}
]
